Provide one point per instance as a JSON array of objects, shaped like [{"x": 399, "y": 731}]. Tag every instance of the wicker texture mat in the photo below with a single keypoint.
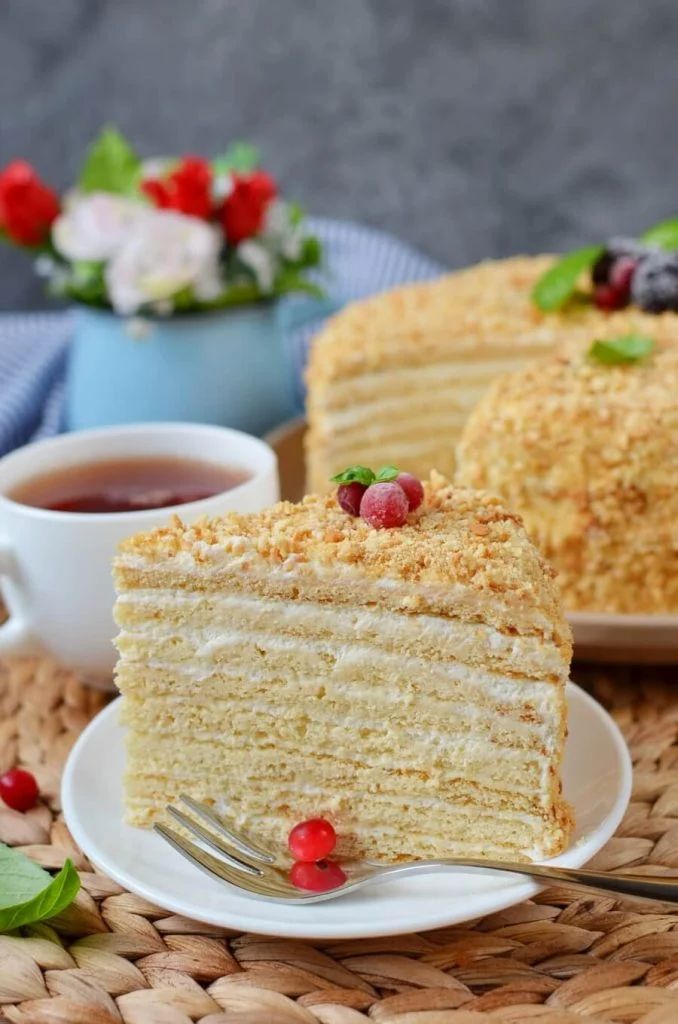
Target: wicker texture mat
[{"x": 113, "y": 957}]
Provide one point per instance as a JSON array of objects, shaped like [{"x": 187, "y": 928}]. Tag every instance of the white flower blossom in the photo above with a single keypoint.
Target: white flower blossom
[
  {"x": 280, "y": 234},
  {"x": 165, "y": 254},
  {"x": 222, "y": 186},
  {"x": 260, "y": 261},
  {"x": 157, "y": 166},
  {"x": 96, "y": 225}
]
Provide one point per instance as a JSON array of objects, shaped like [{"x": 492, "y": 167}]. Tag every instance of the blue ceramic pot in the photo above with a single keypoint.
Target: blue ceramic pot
[{"x": 226, "y": 367}]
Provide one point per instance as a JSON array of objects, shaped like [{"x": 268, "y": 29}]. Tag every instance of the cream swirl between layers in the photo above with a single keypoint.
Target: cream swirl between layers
[
  {"x": 380, "y": 388},
  {"x": 338, "y": 586},
  {"x": 441, "y": 639}
]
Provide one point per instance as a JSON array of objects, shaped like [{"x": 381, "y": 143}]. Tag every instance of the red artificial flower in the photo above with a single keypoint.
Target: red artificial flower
[
  {"x": 187, "y": 188},
  {"x": 244, "y": 208},
  {"x": 27, "y": 206}
]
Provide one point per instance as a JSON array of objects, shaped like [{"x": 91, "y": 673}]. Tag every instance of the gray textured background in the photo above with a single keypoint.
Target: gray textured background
[{"x": 468, "y": 127}]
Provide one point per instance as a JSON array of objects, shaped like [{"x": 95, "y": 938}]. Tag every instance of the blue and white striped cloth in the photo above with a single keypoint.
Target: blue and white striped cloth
[{"x": 360, "y": 261}]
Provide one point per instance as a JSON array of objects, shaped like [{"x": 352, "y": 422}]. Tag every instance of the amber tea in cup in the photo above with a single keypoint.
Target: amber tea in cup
[{"x": 127, "y": 485}]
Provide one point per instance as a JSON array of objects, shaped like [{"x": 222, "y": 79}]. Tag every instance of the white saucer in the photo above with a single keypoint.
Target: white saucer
[
  {"x": 597, "y": 782},
  {"x": 626, "y": 639}
]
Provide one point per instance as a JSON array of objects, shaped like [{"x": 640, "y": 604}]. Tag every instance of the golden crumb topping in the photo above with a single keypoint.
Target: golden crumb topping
[
  {"x": 588, "y": 455},
  {"x": 486, "y": 307},
  {"x": 457, "y": 536}
]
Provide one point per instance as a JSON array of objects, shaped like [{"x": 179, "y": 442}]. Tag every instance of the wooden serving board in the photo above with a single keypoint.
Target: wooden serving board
[{"x": 287, "y": 441}]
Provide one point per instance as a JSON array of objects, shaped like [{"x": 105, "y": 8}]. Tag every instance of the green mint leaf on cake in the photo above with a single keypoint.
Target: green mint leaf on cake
[
  {"x": 29, "y": 894},
  {"x": 558, "y": 284},
  {"x": 386, "y": 474},
  {"x": 111, "y": 165},
  {"x": 240, "y": 157},
  {"x": 355, "y": 474},
  {"x": 627, "y": 349},
  {"x": 664, "y": 235}
]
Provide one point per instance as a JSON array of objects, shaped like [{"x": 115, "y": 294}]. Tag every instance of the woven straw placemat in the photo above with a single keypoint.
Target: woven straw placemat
[{"x": 559, "y": 959}]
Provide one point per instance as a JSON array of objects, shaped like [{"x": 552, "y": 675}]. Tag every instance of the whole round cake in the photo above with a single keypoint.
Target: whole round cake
[
  {"x": 394, "y": 377},
  {"x": 584, "y": 446}
]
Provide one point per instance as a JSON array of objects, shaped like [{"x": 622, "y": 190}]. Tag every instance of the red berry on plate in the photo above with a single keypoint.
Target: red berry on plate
[
  {"x": 384, "y": 505},
  {"x": 19, "y": 789},
  {"x": 319, "y": 876},
  {"x": 349, "y": 497},
  {"x": 312, "y": 840},
  {"x": 413, "y": 488}
]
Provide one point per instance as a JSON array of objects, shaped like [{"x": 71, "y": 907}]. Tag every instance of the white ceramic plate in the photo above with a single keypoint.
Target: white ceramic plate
[
  {"x": 597, "y": 782},
  {"x": 629, "y": 639}
]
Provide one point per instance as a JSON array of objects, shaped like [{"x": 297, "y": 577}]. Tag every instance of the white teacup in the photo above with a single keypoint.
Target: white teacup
[{"x": 56, "y": 566}]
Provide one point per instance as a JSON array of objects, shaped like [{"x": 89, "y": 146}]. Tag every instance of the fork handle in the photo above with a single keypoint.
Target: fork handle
[{"x": 661, "y": 887}]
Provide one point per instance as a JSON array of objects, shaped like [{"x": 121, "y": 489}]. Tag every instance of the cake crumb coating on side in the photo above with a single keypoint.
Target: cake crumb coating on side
[{"x": 588, "y": 455}]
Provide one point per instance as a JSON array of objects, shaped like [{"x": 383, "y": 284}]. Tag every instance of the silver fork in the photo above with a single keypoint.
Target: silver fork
[{"x": 251, "y": 869}]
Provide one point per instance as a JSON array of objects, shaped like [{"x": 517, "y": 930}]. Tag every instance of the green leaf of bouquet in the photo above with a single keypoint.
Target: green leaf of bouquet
[
  {"x": 240, "y": 157},
  {"x": 626, "y": 349},
  {"x": 235, "y": 294},
  {"x": 296, "y": 214},
  {"x": 558, "y": 284},
  {"x": 82, "y": 281},
  {"x": 111, "y": 165},
  {"x": 311, "y": 252},
  {"x": 291, "y": 279},
  {"x": 28, "y": 893},
  {"x": 664, "y": 235},
  {"x": 386, "y": 474},
  {"x": 355, "y": 474}
]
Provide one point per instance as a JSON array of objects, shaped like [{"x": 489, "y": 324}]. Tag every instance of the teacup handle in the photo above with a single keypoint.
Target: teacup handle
[{"x": 16, "y": 638}]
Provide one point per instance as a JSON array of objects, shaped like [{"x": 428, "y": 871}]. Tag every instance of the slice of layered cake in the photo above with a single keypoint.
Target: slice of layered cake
[{"x": 408, "y": 684}]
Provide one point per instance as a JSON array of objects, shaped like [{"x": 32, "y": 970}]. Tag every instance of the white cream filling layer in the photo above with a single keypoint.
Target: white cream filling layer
[
  {"x": 389, "y": 416},
  {"x": 356, "y": 694},
  {"x": 409, "y": 379},
  {"x": 447, "y": 631},
  {"x": 372, "y": 697},
  {"x": 447, "y": 634},
  {"x": 459, "y": 751},
  {"x": 347, "y": 655}
]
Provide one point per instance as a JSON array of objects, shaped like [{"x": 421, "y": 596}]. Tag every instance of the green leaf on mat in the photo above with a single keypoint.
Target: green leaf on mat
[{"x": 28, "y": 893}]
